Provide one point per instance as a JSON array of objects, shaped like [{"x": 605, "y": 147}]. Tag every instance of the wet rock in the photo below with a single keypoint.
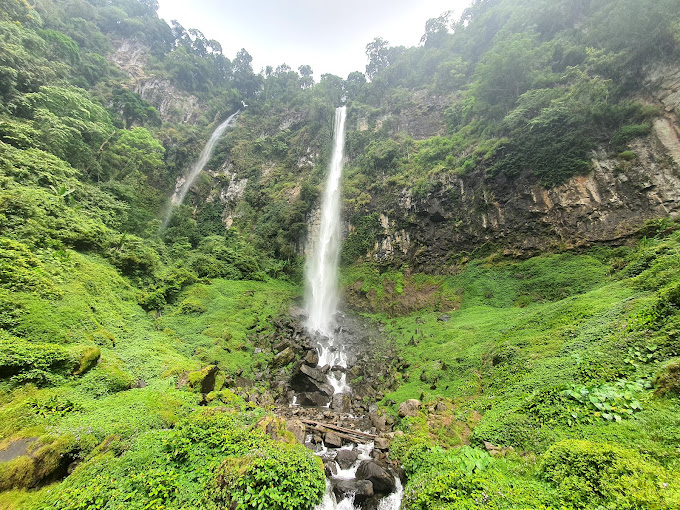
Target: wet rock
[
  {"x": 311, "y": 358},
  {"x": 341, "y": 403},
  {"x": 345, "y": 458},
  {"x": 313, "y": 398},
  {"x": 312, "y": 446},
  {"x": 361, "y": 489},
  {"x": 311, "y": 379},
  {"x": 444, "y": 318},
  {"x": 283, "y": 358},
  {"x": 332, "y": 440},
  {"x": 297, "y": 428},
  {"x": 409, "y": 408},
  {"x": 382, "y": 480},
  {"x": 330, "y": 468}
]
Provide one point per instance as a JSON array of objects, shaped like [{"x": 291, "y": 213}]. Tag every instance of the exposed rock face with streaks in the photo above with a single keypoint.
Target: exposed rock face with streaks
[{"x": 522, "y": 217}]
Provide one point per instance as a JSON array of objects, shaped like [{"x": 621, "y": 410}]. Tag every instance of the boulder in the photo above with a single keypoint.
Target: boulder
[
  {"x": 311, "y": 358},
  {"x": 297, "y": 428},
  {"x": 330, "y": 468},
  {"x": 203, "y": 380},
  {"x": 382, "y": 480},
  {"x": 361, "y": 489},
  {"x": 311, "y": 379},
  {"x": 341, "y": 402},
  {"x": 283, "y": 358},
  {"x": 345, "y": 458},
  {"x": 409, "y": 408},
  {"x": 313, "y": 399},
  {"x": 332, "y": 440},
  {"x": 382, "y": 443}
]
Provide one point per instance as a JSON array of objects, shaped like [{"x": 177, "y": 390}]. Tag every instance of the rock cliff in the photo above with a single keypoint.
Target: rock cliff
[{"x": 608, "y": 205}]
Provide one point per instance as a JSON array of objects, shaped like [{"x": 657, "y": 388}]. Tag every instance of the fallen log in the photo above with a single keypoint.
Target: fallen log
[{"x": 338, "y": 429}]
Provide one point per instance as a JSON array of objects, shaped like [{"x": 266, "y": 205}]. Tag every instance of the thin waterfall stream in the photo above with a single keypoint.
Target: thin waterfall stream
[
  {"x": 180, "y": 194},
  {"x": 321, "y": 305}
]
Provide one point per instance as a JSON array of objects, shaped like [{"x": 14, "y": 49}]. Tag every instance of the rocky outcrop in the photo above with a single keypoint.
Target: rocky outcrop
[
  {"x": 172, "y": 105},
  {"x": 420, "y": 116},
  {"x": 521, "y": 216}
]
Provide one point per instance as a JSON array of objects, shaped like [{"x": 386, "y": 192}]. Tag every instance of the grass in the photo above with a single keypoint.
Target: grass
[
  {"x": 132, "y": 390},
  {"x": 526, "y": 333}
]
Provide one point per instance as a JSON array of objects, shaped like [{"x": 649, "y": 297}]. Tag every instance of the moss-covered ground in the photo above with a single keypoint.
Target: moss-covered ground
[{"x": 530, "y": 354}]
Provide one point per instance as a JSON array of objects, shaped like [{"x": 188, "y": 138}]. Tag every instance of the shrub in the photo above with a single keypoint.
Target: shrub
[
  {"x": 23, "y": 361},
  {"x": 668, "y": 380},
  {"x": 590, "y": 475},
  {"x": 277, "y": 476}
]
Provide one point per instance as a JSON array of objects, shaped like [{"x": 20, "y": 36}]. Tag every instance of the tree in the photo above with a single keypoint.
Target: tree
[
  {"x": 245, "y": 80},
  {"x": 378, "y": 56},
  {"x": 133, "y": 108},
  {"x": 132, "y": 151},
  {"x": 306, "y": 76},
  {"x": 436, "y": 30}
]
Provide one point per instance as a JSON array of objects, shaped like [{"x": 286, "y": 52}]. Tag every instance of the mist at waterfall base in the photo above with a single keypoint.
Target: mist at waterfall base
[{"x": 179, "y": 195}]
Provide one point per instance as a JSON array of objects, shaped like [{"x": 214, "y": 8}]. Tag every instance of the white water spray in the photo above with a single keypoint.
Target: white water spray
[{"x": 179, "y": 196}]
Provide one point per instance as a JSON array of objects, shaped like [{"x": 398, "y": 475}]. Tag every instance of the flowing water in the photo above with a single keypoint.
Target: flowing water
[
  {"x": 321, "y": 273},
  {"x": 321, "y": 303},
  {"x": 179, "y": 195}
]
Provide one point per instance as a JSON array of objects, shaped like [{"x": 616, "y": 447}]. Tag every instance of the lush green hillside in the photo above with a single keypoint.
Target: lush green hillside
[{"x": 136, "y": 363}]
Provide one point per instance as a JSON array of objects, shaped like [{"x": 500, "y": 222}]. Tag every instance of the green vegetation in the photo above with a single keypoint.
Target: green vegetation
[
  {"x": 570, "y": 357},
  {"x": 134, "y": 361}
]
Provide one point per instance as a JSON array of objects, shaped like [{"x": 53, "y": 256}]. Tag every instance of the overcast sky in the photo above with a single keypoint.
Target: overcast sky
[{"x": 329, "y": 36}]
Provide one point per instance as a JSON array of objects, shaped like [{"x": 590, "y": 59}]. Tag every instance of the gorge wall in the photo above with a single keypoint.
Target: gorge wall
[{"x": 521, "y": 216}]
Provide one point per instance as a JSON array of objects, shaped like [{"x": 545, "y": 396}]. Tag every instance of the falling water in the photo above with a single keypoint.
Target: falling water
[
  {"x": 321, "y": 298},
  {"x": 197, "y": 168},
  {"x": 322, "y": 267},
  {"x": 321, "y": 294}
]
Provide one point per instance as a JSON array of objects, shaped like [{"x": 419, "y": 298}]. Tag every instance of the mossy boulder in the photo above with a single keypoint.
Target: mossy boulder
[
  {"x": 47, "y": 461},
  {"x": 89, "y": 357},
  {"x": 667, "y": 382},
  {"x": 277, "y": 429},
  {"x": 203, "y": 380}
]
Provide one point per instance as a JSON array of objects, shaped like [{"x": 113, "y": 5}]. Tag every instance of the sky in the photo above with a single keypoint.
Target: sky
[{"x": 329, "y": 36}]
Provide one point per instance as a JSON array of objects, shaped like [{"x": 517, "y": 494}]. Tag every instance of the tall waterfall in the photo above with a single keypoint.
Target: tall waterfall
[
  {"x": 179, "y": 196},
  {"x": 321, "y": 273}
]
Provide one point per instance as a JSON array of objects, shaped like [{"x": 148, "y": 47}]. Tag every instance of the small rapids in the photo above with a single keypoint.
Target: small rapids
[{"x": 330, "y": 502}]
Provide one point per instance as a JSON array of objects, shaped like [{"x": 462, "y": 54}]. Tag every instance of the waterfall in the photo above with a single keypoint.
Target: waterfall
[
  {"x": 179, "y": 195},
  {"x": 322, "y": 267},
  {"x": 321, "y": 303}
]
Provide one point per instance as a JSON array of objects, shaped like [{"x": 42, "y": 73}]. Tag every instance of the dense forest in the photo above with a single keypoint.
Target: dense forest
[{"x": 141, "y": 367}]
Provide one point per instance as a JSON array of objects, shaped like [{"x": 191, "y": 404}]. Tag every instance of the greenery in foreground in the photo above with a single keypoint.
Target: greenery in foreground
[
  {"x": 108, "y": 326},
  {"x": 570, "y": 359}
]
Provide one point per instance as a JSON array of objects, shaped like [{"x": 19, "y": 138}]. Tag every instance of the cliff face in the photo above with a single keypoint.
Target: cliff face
[
  {"x": 519, "y": 215},
  {"x": 172, "y": 104}
]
